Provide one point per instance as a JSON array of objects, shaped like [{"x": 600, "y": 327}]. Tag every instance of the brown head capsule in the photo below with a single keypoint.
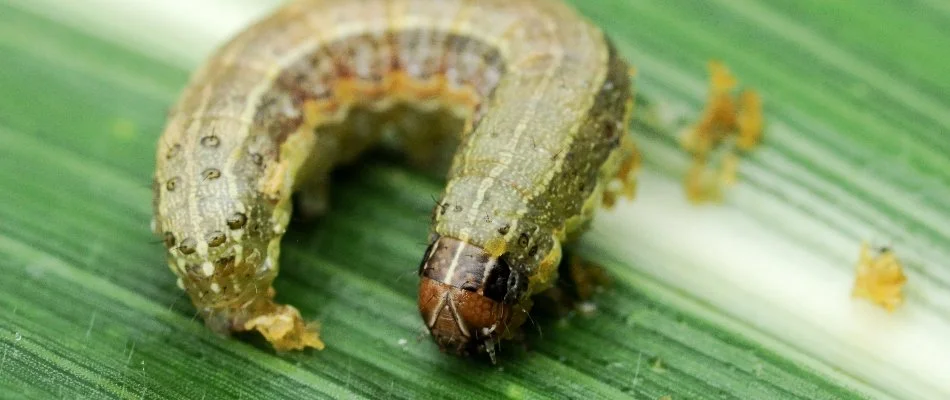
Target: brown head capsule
[{"x": 466, "y": 296}]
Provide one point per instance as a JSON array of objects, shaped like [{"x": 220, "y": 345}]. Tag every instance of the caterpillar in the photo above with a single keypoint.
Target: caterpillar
[{"x": 534, "y": 98}]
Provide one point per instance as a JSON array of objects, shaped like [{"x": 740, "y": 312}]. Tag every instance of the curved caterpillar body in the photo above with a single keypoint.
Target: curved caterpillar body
[{"x": 543, "y": 101}]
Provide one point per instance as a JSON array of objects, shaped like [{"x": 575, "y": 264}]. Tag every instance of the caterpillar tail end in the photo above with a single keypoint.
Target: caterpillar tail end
[{"x": 284, "y": 328}]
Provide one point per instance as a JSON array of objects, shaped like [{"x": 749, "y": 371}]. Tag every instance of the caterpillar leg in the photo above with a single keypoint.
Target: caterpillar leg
[
  {"x": 578, "y": 281},
  {"x": 283, "y": 327}
]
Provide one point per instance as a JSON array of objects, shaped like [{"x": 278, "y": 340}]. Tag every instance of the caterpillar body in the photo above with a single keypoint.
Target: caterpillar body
[{"x": 543, "y": 102}]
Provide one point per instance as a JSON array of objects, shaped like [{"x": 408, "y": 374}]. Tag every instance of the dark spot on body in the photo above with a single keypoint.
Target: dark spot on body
[
  {"x": 458, "y": 208},
  {"x": 524, "y": 240},
  {"x": 210, "y": 141},
  {"x": 470, "y": 282},
  {"x": 169, "y": 239},
  {"x": 237, "y": 220},
  {"x": 173, "y": 151},
  {"x": 533, "y": 251},
  {"x": 216, "y": 238},
  {"x": 211, "y": 174},
  {"x": 171, "y": 184},
  {"x": 188, "y": 246},
  {"x": 504, "y": 230}
]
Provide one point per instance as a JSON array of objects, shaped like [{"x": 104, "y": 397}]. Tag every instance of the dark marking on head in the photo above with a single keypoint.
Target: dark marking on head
[
  {"x": 504, "y": 229},
  {"x": 458, "y": 208},
  {"x": 425, "y": 257},
  {"x": 216, "y": 238},
  {"x": 237, "y": 220},
  {"x": 469, "y": 281},
  {"x": 188, "y": 246},
  {"x": 533, "y": 251},
  {"x": 496, "y": 285}
]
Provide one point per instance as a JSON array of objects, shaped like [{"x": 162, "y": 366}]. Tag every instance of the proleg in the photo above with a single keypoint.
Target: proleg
[{"x": 538, "y": 101}]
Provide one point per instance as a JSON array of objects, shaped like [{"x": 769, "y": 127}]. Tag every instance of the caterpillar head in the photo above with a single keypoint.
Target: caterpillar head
[{"x": 466, "y": 297}]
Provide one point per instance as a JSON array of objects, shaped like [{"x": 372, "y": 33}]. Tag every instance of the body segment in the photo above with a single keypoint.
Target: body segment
[{"x": 542, "y": 99}]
